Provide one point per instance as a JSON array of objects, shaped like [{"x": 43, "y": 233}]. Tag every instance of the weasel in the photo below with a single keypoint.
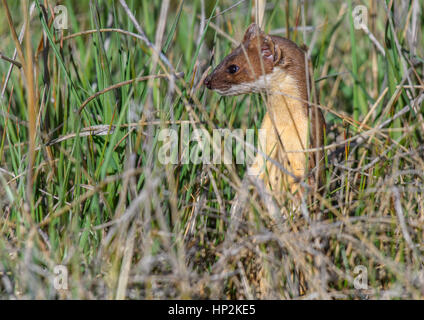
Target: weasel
[{"x": 275, "y": 66}]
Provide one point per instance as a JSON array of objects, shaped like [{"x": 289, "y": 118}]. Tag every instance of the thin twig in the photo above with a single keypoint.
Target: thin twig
[
  {"x": 401, "y": 218},
  {"x": 374, "y": 40},
  {"x": 121, "y": 84},
  {"x": 16, "y": 63},
  {"x": 144, "y": 38}
]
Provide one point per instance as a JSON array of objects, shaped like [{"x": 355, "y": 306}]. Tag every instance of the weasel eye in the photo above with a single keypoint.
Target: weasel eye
[{"x": 233, "y": 69}]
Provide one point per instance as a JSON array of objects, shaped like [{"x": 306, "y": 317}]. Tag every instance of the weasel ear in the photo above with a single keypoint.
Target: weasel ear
[
  {"x": 252, "y": 31},
  {"x": 270, "y": 50}
]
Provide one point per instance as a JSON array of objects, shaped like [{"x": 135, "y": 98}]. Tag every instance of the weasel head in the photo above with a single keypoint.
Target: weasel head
[{"x": 251, "y": 65}]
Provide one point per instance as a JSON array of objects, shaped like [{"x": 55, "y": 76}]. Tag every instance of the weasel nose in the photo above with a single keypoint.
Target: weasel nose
[{"x": 207, "y": 82}]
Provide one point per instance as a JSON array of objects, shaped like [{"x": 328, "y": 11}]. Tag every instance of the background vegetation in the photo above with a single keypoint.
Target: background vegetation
[{"x": 82, "y": 186}]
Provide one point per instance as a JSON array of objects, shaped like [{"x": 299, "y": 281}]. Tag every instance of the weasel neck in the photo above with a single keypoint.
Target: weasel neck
[
  {"x": 286, "y": 100},
  {"x": 285, "y": 92}
]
